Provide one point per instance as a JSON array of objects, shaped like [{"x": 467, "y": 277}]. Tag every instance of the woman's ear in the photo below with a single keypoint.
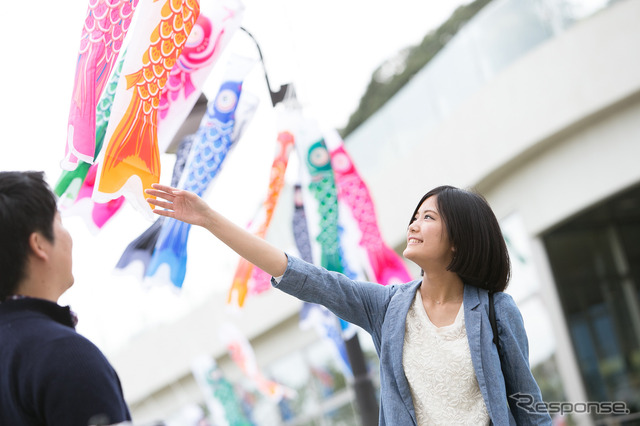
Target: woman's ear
[{"x": 37, "y": 245}]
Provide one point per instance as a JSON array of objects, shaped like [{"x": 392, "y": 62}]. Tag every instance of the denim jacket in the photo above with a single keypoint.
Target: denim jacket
[{"x": 382, "y": 311}]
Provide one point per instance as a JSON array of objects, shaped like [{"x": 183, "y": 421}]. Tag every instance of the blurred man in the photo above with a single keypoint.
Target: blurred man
[{"x": 49, "y": 374}]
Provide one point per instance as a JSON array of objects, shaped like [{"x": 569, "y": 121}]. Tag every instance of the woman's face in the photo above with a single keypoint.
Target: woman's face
[{"x": 427, "y": 240}]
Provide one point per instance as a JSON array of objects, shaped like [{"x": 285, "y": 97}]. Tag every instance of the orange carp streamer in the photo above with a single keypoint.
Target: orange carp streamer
[
  {"x": 245, "y": 270},
  {"x": 133, "y": 147}
]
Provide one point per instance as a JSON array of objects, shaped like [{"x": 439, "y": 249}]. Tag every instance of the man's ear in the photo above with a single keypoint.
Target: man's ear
[{"x": 37, "y": 243}]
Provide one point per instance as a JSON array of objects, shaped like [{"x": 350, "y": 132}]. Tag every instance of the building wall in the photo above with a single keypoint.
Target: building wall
[
  {"x": 539, "y": 103},
  {"x": 155, "y": 368}
]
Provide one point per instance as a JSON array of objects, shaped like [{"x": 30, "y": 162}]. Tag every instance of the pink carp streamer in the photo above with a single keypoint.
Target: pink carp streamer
[
  {"x": 210, "y": 35},
  {"x": 242, "y": 354},
  {"x": 95, "y": 215},
  {"x": 131, "y": 161},
  {"x": 246, "y": 270},
  {"x": 387, "y": 265},
  {"x": 75, "y": 187},
  {"x": 104, "y": 29}
]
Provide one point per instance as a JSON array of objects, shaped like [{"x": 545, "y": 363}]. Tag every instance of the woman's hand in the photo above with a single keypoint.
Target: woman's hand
[
  {"x": 179, "y": 204},
  {"x": 188, "y": 207}
]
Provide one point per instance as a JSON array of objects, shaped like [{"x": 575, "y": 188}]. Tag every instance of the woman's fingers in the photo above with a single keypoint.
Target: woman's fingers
[
  {"x": 167, "y": 213},
  {"x": 160, "y": 203},
  {"x": 161, "y": 194},
  {"x": 164, "y": 205},
  {"x": 163, "y": 187}
]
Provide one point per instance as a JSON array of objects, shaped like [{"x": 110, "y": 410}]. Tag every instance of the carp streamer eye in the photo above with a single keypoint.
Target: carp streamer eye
[{"x": 226, "y": 101}]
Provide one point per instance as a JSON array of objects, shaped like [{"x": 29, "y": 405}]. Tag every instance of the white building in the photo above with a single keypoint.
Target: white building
[{"x": 541, "y": 115}]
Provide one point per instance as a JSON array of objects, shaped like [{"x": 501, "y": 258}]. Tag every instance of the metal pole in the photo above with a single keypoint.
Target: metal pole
[{"x": 362, "y": 384}]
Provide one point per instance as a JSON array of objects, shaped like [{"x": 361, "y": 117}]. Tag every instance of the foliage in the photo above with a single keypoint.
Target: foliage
[{"x": 392, "y": 75}]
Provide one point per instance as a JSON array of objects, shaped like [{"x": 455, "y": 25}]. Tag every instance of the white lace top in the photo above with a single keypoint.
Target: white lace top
[{"x": 437, "y": 363}]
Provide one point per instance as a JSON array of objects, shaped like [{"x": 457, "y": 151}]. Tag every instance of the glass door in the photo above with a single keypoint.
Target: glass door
[{"x": 595, "y": 259}]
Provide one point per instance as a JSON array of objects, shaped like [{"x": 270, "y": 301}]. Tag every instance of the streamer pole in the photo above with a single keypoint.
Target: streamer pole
[
  {"x": 362, "y": 384},
  {"x": 276, "y": 97}
]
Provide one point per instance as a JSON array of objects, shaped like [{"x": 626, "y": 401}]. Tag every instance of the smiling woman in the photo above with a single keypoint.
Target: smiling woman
[
  {"x": 441, "y": 321},
  {"x": 478, "y": 250},
  {"x": 427, "y": 241}
]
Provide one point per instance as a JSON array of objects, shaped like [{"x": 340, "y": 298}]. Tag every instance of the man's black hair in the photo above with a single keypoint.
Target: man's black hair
[{"x": 27, "y": 205}]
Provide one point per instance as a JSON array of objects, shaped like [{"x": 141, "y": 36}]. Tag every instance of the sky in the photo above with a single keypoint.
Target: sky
[{"x": 327, "y": 49}]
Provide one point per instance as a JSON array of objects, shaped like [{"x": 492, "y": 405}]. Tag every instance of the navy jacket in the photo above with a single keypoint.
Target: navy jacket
[
  {"x": 50, "y": 374},
  {"x": 382, "y": 311}
]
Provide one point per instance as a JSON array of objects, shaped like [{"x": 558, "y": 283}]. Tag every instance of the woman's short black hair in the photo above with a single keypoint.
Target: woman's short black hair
[
  {"x": 27, "y": 205},
  {"x": 480, "y": 253}
]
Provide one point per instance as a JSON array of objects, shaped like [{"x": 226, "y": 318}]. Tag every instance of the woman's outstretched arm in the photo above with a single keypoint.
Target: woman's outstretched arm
[{"x": 189, "y": 207}]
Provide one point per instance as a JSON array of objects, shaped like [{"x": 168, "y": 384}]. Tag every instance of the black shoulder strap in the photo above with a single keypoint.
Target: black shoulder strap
[{"x": 492, "y": 320}]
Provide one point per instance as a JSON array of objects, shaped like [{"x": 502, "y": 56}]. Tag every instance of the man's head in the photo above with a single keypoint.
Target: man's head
[{"x": 35, "y": 249}]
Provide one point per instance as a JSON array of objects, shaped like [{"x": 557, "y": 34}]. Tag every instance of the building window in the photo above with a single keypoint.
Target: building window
[{"x": 595, "y": 259}]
